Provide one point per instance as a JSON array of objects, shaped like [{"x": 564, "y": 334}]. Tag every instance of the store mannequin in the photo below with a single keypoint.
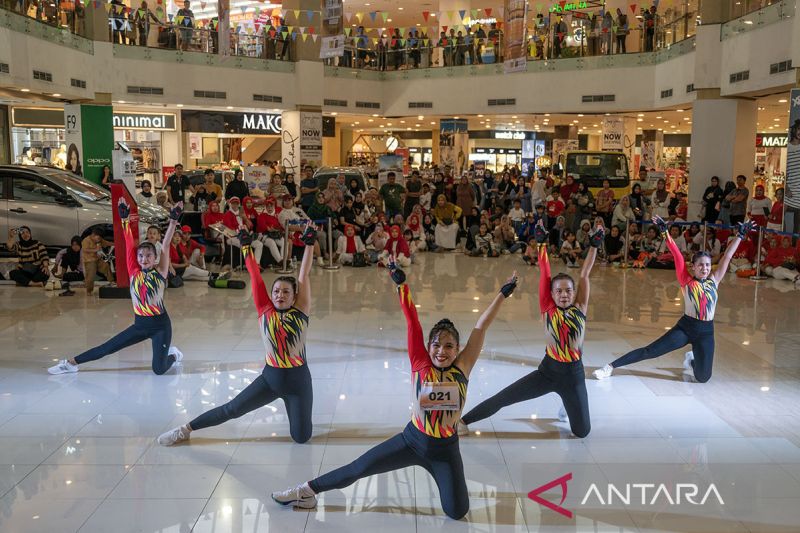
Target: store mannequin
[
  {"x": 26, "y": 157},
  {"x": 60, "y": 159}
]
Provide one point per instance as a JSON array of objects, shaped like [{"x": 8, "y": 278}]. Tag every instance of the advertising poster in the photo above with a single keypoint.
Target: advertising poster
[
  {"x": 332, "y": 42},
  {"x": 792, "y": 187},
  {"x": 480, "y": 169},
  {"x": 561, "y": 146},
  {"x": 390, "y": 163},
  {"x": 453, "y": 145},
  {"x": 257, "y": 179},
  {"x": 404, "y": 153},
  {"x": 311, "y": 138},
  {"x": 195, "y": 146},
  {"x": 73, "y": 138},
  {"x": 515, "y": 60},
  {"x": 88, "y": 148},
  {"x": 613, "y": 134}
]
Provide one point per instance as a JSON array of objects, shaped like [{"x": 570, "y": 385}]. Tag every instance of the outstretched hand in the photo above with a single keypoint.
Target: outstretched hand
[
  {"x": 397, "y": 274},
  {"x": 596, "y": 237},
  {"x": 511, "y": 283},
  {"x": 309, "y": 236},
  {"x": 660, "y": 224},
  {"x": 744, "y": 228},
  {"x": 123, "y": 209},
  {"x": 176, "y": 212},
  {"x": 245, "y": 237}
]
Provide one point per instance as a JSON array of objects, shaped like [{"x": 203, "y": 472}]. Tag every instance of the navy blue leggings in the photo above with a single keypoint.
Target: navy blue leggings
[
  {"x": 440, "y": 457},
  {"x": 292, "y": 385},
  {"x": 565, "y": 379},
  {"x": 688, "y": 330},
  {"x": 156, "y": 328}
]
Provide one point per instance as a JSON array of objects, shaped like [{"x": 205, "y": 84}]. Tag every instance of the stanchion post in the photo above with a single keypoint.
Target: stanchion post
[
  {"x": 705, "y": 232},
  {"x": 285, "y": 269},
  {"x": 330, "y": 265},
  {"x": 759, "y": 276},
  {"x": 627, "y": 243}
]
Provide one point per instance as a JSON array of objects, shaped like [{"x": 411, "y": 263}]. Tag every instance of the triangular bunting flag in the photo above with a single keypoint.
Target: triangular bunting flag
[
  {"x": 359, "y": 16},
  {"x": 284, "y": 34},
  {"x": 633, "y": 8},
  {"x": 305, "y": 37},
  {"x": 384, "y": 15},
  {"x": 311, "y": 30},
  {"x": 474, "y": 13},
  {"x": 488, "y": 12},
  {"x": 372, "y": 15},
  {"x": 348, "y": 16},
  {"x": 296, "y": 13},
  {"x": 310, "y": 15},
  {"x": 348, "y": 31},
  {"x": 425, "y": 15},
  {"x": 314, "y": 37},
  {"x": 461, "y": 14}
]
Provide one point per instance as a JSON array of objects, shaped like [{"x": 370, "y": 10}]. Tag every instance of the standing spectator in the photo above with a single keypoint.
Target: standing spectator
[
  {"x": 738, "y": 200},
  {"x": 555, "y": 206},
  {"x": 649, "y": 28},
  {"x": 660, "y": 200},
  {"x": 213, "y": 190},
  {"x": 142, "y": 21},
  {"x": 792, "y": 188},
  {"x": 465, "y": 197},
  {"x": 712, "y": 199},
  {"x": 146, "y": 196},
  {"x": 238, "y": 187},
  {"x": 185, "y": 20},
  {"x": 309, "y": 186},
  {"x": 559, "y": 35},
  {"x": 622, "y": 31},
  {"x": 725, "y": 203},
  {"x": 34, "y": 264},
  {"x": 397, "y": 49},
  {"x": 496, "y": 36},
  {"x": 176, "y": 186},
  {"x": 638, "y": 202},
  {"x": 759, "y": 207},
  {"x": 413, "y": 193},
  {"x": 92, "y": 262},
  {"x": 117, "y": 22},
  {"x": 607, "y": 28},
  {"x": 775, "y": 220},
  {"x": 392, "y": 194},
  {"x": 605, "y": 202}
]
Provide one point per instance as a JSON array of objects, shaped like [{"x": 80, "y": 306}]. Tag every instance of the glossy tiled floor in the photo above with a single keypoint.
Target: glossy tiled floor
[{"x": 77, "y": 451}]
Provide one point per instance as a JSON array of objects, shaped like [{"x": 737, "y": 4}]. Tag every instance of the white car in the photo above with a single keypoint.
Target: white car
[{"x": 57, "y": 205}]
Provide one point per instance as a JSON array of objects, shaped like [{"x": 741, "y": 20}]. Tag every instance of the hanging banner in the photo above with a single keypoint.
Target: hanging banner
[
  {"x": 792, "y": 186},
  {"x": 613, "y": 134},
  {"x": 88, "y": 148},
  {"x": 332, "y": 44},
  {"x": 390, "y": 163},
  {"x": 311, "y": 138},
  {"x": 514, "y": 55},
  {"x": 454, "y": 145}
]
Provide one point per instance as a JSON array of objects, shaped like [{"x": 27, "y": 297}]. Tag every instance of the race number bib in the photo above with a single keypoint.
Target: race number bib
[{"x": 439, "y": 396}]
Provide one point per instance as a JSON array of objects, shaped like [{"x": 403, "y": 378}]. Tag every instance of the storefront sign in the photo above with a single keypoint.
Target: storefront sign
[
  {"x": 144, "y": 121},
  {"x": 515, "y": 135},
  {"x": 37, "y": 117},
  {"x": 770, "y": 140},
  {"x": 561, "y": 7},
  {"x": 217, "y": 122}
]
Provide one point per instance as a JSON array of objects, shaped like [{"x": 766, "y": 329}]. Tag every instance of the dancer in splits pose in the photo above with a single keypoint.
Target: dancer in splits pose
[
  {"x": 439, "y": 374},
  {"x": 283, "y": 321},
  {"x": 700, "y": 288},
  {"x": 563, "y": 305},
  {"x": 148, "y": 279}
]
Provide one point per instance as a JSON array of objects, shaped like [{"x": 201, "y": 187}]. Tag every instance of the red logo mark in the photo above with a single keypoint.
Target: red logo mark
[{"x": 562, "y": 481}]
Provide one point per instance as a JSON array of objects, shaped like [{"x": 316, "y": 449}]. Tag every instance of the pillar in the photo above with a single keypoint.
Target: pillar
[
  {"x": 308, "y": 49},
  {"x": 723, "y": 133},
  {"x": 301, "y": 138},
  {"x": 435, "y": 146},
  {"x": 331, "y": 151},
  {"x": 224, "y": 27}
]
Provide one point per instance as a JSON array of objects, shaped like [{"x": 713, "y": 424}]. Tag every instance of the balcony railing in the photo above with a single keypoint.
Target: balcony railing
[{"x": 758, "y": 19}]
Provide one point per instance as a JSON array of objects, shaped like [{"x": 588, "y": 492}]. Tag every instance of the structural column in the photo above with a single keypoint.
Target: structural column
[{"x": 723, "y": 143}]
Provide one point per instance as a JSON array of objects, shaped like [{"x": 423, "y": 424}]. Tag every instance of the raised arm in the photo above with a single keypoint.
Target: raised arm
[
  {"x": 130, "y": 244},
  {"x": 584, "y": 285},
  {"x": 469, "y": 355},
  {"x": 681, "y": 272},
  {"x": 303, "y": 301},
  {"x": 417, "y": 350},
  {"x": 742, "y": 229},
  {"x": 260, "y": 295},
  {"x": 546, "y": 302},
  {"x": 174, "y": 216}
]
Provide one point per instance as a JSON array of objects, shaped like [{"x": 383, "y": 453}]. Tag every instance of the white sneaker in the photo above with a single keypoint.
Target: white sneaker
[
  {"x": 603, "y": 373},
  {"x": 173, "y": 350},
  {"x": 320, "y": 261},
  {"x": 687, "y": 363},
  {"x": 225, "y": 274},
  {"x": 301, "y": 497},
  {"x": 173, "y": 436},
  {"x": 63, "y": 367},
  {"x": 462, "y": 429},
  {"x": 505, "y": 252},
  {"x": 562, "y": 414}
]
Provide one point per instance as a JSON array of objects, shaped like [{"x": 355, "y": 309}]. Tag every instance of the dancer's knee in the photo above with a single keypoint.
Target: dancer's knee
[
  {"x": 456, "y": 510},
  {"x": 302, "y": 434},
  {"x": 581, "y": 430},
  {"x": 702, "y": 377}
]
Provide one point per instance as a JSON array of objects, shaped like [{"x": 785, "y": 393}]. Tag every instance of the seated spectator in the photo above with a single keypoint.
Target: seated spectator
[
  {"x": 744, "y": 257},
  {"x": 334, "y": 197},
  {"x": 153, "y": 236},
  {"x": 689, "y": 235},
  {"x": 447, "y": 215},
  {"x": 516, "y": 215},
  {"x": 556, "y": 237},
  {"x": 270, "y": 231},
  {"x": 192, "y": 249},
  {"x": 93, "y": 264},
  {"x": 376, "y": 242},
  {"x": 348, "y": 246},
  {"x": 505, "y": 238},
  {"x": 249, "y": 209},
  {"x": 712, "y": 244},
  {"x": 295, "y": 218},
  {"x": 396, "y": 247},
  {"x": 555, "y": 206},
  {"x": 570, "y": 250},
  {"x": 623, "y": 214},
  {"x": 531, "y": 255},
  {"x": 413, "y": 243},
  {"x": 276, "y": 188},
  {"x": 429, "y": 227},
  {"x": 180, "y": 265},
  {"x": 200, "y": 199},
  {"x": 68, "y": 262},
  {"x": 614, "y": 245},
  {"x": 484, "y": 244},
  {"x": 235, "y": 220},
  {"x": 781, "y": 262},
  {"x": 34, "y": 264},
  {"x": 417, "y": 233},
  {"x": 634, "y": 238},
  {"x": 582, "y": 235}
]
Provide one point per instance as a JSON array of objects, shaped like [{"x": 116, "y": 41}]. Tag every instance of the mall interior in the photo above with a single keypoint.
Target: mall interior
[{"x": 512, "y": 152}]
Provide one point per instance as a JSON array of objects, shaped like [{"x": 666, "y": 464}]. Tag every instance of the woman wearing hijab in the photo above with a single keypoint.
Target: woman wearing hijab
[
  {"x": 34, "y": 264},
  {"x": 614, "y": 245},
  {"x": 348, "y": 246},
  {"x": 711, "y": 201},
  {"x": 637, "y": 202},
  {"x": 270, "y": 230},
  {"x": 353, "y": 189},
  {"x": 623, "y": 214},
  {"x": 413, "y": 224},
  {"x": 660, "y": 199},
  {"x": 146, "y": 195},
  {"x": 236, "y": 220},
  {"x": 397, "y": 248},
  {"x": 376, "y": 241},
  {"x": 237, "y": 188},
  {"x": 334, "y": 197},
  {"x": 465, "y": 197},
  {"x": 446, "y": 215}
]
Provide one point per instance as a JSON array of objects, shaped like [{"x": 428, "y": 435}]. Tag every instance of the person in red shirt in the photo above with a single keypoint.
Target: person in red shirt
[
  {"x": 270, "y": 231},
  {"x": 568, "y": 188},
  {"x": 781, "y": 262},
  {"x": 191, "y": 248},
  {"x": 745, "y": 255},
  {"x": 235, "y": 219},
  {"x": 555, "y": 206},
  {"x": 775, "y": 218}
]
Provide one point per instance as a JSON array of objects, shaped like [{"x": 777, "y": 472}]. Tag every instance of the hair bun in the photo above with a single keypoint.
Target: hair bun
[{"x": 445, "y": 322}]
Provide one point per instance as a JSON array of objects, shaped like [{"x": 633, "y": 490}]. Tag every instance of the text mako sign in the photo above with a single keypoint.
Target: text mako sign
[
  {"x": 144, "y": 121},
  {"x": 217, "y": 122}
]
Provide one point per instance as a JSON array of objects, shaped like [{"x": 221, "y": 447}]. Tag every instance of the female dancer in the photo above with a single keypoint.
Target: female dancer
[
  {"x": 561, "y": 371},
  {"x": 696, "y": 326},
  {"x": 439, "y": 374},
  {"x": 148, "y": 279},
  {"x": 282, "y": 319}
]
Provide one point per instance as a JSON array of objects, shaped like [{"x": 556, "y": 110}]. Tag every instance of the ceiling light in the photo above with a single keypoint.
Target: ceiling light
[
  {"x": 334, "y": 114},
  {"x": 547, "y": 114},
  {"x": 25, "y": 90},
  {"x": 658, "y": 117},
  {"x": 181, "y": 105},
  {"x": 782, "y": 101},
  {"x": 679, "y": 110},
  {"x": 374, "y": 114},
  {"x": 402, "y": 122},
  {"x": 420, "y": 117},
  {"x": 371, "y": 120},
  {"x": 229, "y": 107},
  {"x": 56, "y": 95},
  {"x": 639, "y": 120},
  {"x": 580, "y": 114},
  {"x": 481, "y": 116}
]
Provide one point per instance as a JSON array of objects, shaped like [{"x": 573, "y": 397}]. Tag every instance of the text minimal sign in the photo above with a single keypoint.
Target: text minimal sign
[{"x": 145, "y": 121}]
